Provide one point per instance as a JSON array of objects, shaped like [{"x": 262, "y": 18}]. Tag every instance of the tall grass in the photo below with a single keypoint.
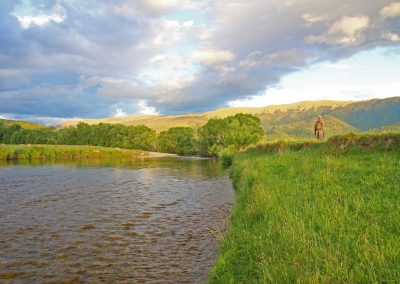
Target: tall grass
[
  {"x": 313, "y": 216},
  {"x": 55, "y": 152}
]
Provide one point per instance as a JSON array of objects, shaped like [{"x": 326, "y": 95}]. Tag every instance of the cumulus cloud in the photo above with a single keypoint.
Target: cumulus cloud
[
  {"x": 119, "y": 113},
  {"x": 56, "y": 14},
  {"x": 390, "y": 11},
  {"x": 347, "y": 30},
  {"x": 392, "y": 36},
  {"x": 144, "y": 108},
  {"x": 153, "y": 8},
  {"x": 217, "y": 59},
  {"x": 27, "y": 21},
  {"x": 88, "y": 58}
]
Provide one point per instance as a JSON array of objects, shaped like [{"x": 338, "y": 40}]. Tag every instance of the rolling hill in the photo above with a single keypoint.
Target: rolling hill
[
  {"x": 283, "y": 121},
  {"x": 164, "y": 122},
  {"x": 24, "y": 124}
]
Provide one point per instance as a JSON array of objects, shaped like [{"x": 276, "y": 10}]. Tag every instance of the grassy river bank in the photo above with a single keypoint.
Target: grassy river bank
[
  {"x": 59, "y": 152},
  {"x": 326, "y": 213}
]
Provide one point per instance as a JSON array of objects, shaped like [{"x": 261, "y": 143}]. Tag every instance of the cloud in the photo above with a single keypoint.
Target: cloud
[
  {"x": 347, "y": 30},
  {"x": 216, "y": 59},
  {"x": 40, "y": 20},
  {"x": 314, "y": 18},
  {"x": 88, "y": 58},
  {"x": 390, "y": 11},
  {"x": 119, "y": 113},
  {"x": 392, "y": 36},
  {"x": 56, "y": 14},
  {"x": 3, "y": 117},
  {"x": 144, "y": 108},
  {"x": 154, "y": 8}
]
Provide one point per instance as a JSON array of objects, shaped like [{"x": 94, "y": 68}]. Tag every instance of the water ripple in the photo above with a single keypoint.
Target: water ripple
[{"x": 154, "y": 224}]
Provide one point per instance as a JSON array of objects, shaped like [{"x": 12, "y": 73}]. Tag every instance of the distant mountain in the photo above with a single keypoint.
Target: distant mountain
[
  {"x": 370, "y": 114},
  {"x": 24, "y": 124},
  {"x": 164, "y": 122},
  {"x": 282, "y": 121}
]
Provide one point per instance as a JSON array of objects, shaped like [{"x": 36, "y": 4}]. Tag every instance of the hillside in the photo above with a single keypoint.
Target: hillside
[
  {"x": 24, "y": 124},
  {"x": 387, "y": 128},
  {"x": 282, "y": 121},
  {"x": 164, "y": 122},
  {"x": 370, "y": 114}
]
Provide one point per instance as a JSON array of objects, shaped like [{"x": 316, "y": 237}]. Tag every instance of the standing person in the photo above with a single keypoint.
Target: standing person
[{"x": 319, "y": 128}]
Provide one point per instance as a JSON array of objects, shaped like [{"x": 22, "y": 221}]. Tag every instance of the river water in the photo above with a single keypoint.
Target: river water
[{"x": 146, "y": 221}]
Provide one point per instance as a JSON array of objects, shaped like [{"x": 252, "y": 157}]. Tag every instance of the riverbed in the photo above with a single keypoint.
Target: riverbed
[{"x": 135, "y": 221}]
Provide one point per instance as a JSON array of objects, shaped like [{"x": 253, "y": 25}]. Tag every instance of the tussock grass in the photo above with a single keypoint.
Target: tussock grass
[
  {"x": 315, "y": 216},
  {"x": 55, "y": 152},
  {"x": 365, "y": 142}
]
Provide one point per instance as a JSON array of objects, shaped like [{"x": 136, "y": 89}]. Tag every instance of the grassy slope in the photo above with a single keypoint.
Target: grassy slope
[
  {"x": 387, "y": 128},
  {"x": 313, "y": 216},
  {"x": 156, "y": 122},
  {"x": 24, "y": 124},
  {"x": 303, "y": 128},
  {"x": 53, "y": 152},
  {"x": 371, "y": 114},
  {"x": 164, "y": 122},
  {"x": 284, "y": 121}
]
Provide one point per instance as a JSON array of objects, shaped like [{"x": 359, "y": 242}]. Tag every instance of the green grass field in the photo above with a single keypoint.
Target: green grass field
[
  {"x": 317, "y": 215},
  {"x": 55, "y": 152}
]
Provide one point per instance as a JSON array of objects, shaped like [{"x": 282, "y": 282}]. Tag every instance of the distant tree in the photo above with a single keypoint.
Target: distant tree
[
  {"x": 235, "y": 132},
  {"x": 109, "y": 135},
  {"x": 229, "y": 134},
  {"x": 67, "y": 136},
  {"x": 2, "y": 130},
  {"x": 83, "y": 134},
  {"x": 212, "y": 134},
  {"x": 141, "y": 137},
  {"x": 178, "y": 140}
]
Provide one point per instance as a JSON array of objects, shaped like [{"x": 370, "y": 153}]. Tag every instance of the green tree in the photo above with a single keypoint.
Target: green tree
[
  {"x": 178, "y": 140},
  {"x": 141, "y": 137},
  {"x": 233, "y": 132}
]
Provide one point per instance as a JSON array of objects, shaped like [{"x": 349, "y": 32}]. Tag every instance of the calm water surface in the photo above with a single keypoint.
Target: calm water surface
[{"x": 153, "y": 221}]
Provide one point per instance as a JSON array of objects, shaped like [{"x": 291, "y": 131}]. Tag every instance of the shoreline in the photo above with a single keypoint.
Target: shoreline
[{"x": 12, "y": 152}]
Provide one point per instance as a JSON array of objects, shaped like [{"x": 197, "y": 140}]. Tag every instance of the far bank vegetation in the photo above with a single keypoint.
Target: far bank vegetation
[{"x": 216, "y": 137}]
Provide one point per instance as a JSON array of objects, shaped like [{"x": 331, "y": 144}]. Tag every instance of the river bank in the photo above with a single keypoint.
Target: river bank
[
  {"x": 60, "y": 152},
  {"x": 327, "y": 213}
]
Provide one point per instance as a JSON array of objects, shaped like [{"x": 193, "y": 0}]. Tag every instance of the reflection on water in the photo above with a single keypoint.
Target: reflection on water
[{"x": 144, "y": 221}]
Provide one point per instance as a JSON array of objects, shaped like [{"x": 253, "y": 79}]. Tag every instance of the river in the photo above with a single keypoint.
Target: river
[{"x": 145, "y": 221}]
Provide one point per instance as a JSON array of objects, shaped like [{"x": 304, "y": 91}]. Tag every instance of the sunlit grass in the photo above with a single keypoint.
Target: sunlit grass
[
  {"x": 23, "y": 124},
  {"x": 54, "y": 152},
  {"x": 313, "y": 216}
]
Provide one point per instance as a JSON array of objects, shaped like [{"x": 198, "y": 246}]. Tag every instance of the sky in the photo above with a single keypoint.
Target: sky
[{"x": 63, "y": 59}]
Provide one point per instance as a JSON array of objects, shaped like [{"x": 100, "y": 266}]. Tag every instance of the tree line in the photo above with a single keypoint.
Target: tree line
[{"x": 214, "y": 137}]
